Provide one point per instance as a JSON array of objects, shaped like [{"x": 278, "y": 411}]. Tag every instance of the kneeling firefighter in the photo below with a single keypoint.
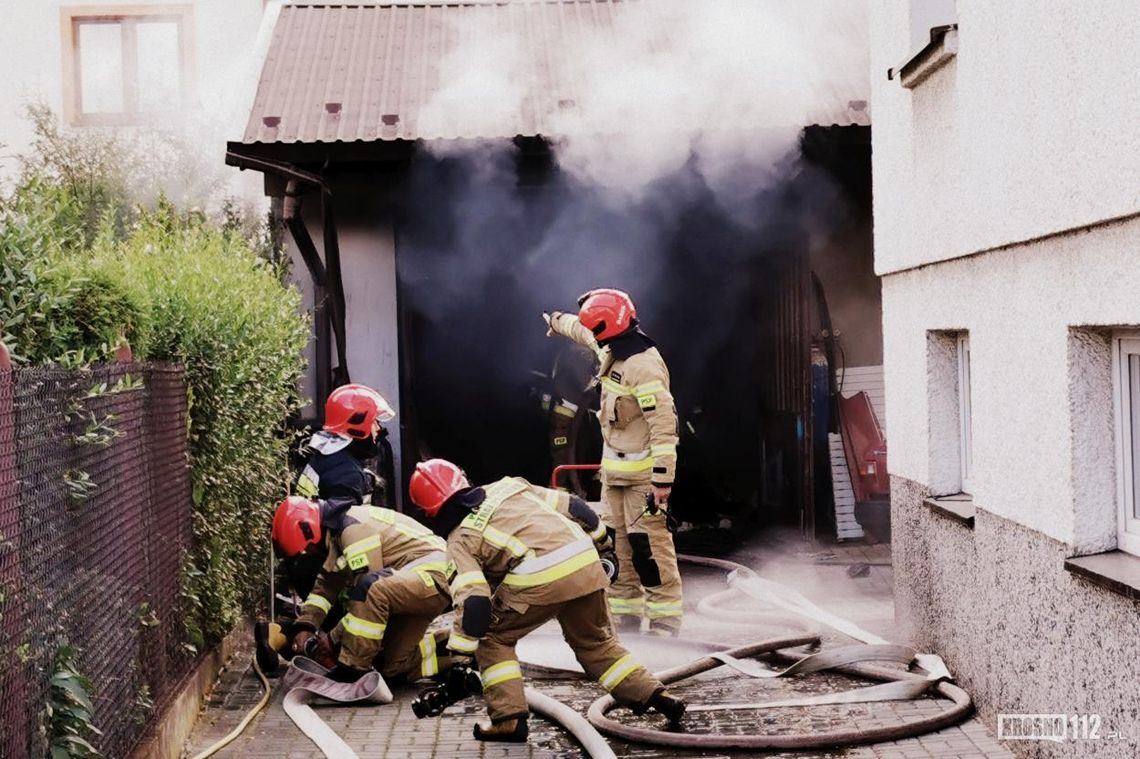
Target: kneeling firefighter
[
  {"x": 543, "y": 565},
  {"x": 396, "y": 570},
  {"x": 639, "y": 457}
]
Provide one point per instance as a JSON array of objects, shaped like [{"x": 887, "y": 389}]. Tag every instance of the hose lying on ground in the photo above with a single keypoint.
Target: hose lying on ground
[
  {"x": 849, "y": 660},
  {"x": 232, "y": 736}
]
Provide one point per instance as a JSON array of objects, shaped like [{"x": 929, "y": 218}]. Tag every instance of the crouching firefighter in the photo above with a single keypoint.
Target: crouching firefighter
[
  {"x": 394, "y": 570},
  {"x": 336, "y": 468},
  {"x": 521, "y": 558},
  {"x": 639, "y": 457}
]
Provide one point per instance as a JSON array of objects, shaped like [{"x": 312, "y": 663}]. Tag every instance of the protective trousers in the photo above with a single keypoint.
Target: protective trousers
[
  {"x": 648, "y": 582},
  {"x": 587, "y": 629},
  {"x": 388, "y": 617}
]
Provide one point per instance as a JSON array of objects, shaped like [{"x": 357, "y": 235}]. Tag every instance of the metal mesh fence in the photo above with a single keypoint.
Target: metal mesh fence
[{"x": 95, "y": 515}]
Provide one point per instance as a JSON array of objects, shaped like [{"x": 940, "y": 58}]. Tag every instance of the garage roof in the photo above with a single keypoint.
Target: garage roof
[{"x": 365, "y": 72}]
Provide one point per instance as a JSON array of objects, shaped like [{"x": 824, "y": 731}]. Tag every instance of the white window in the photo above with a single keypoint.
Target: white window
[
  {"x": 965, "y": 420},
  {"x": 1126, "y": 361},
  {"x": 125, "y": 64}
]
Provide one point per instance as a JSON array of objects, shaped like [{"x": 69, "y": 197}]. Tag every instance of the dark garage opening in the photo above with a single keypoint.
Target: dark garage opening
[{"x": 488, "y": 240}]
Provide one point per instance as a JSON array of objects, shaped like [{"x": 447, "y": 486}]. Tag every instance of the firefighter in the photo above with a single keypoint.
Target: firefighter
[
  {"x": 639, "y": 456},
  {"x": 335, "y": 469},
  {"x": 395, "y": 569},
  {"x": 350, "y": 436},
  {"x": 518, "y": 538}
]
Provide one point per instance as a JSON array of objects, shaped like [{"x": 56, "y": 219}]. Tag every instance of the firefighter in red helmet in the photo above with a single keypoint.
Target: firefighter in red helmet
[
  {"x": 351, "y": 436},
  {"x": 639, "y": 457},
  {"x": 539, "y": 549},
  {"x": 395, "y": 571}
]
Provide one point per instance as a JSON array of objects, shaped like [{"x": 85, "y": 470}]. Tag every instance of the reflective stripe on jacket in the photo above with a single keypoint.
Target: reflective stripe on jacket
[{"x": 530, "y": 551}]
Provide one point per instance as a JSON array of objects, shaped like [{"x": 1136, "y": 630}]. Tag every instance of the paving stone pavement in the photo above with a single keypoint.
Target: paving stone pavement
[{"x": 392, "y": 732}]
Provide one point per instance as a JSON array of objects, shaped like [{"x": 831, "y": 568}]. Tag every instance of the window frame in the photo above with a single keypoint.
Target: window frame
[
  {"x": 1125, "y": 345},
  {"x": 127, "y": 17},
  {"x": 965, "y": 413}
]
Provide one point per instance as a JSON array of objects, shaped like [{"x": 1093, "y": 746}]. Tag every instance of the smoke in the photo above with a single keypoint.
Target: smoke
[
  {"x": 730, "y": 82},
  {"x": 674, "y": 173}
]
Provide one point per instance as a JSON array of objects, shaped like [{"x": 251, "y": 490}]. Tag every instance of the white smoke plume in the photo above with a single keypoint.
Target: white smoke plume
[{"x": 730, "y": 82}]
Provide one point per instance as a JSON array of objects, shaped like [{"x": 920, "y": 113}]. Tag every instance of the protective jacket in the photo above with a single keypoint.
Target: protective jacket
[
  {"x": 365, "y": 539},
  {"x": 523, "y": 546},
  {"x": 332, "y": 471},
  {"x": 637, "y": 414}
]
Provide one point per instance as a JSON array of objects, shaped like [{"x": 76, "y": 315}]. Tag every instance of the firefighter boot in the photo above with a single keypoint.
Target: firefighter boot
[
  {"x": 269, "y": 640},
  {"x": 513, "y": 730},
  {"x": 666, "y": 703}
]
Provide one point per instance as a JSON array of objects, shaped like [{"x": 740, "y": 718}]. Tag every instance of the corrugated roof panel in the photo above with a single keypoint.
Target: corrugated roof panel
[{"x": 368, "y": 72}]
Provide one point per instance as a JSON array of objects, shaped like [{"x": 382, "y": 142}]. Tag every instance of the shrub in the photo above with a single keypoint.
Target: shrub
[
  {"x": 54, "y": 309},
  {"x": 215, "y": 307}
]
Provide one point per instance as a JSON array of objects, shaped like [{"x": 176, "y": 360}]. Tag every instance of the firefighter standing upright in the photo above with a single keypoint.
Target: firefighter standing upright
[
  {"x": 529, "y": 542},
  {"x": 639, "y": 457}
]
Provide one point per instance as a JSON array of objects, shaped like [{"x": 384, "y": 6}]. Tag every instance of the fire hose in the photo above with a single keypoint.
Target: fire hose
[{"x": 895, "y": 684}]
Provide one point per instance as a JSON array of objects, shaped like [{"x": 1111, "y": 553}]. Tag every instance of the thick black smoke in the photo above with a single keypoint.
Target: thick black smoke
[{"x": 491, "y": 237}]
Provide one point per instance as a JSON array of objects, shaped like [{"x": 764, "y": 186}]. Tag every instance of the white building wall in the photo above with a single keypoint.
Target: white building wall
[
  {"x": 368, "y": 267},
  {"x": 227, "y": 55},
  {"x": 1029, "y": 130},
  {"x": 1018, "y": 305}
]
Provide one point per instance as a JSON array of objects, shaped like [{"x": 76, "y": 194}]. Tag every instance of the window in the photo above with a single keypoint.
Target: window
[
  {"x": 965, "y": 418},
  {"x": 1126, "y": 379},
  {"x": 125, "y": 64}
]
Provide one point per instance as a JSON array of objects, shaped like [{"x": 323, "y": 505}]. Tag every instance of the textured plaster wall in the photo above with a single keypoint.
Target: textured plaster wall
[
  {"x": 1018, "y": 305},
  {"x": 1028, "y": 130},
  {"x": 1020, "y": 633},
  {"x": 368, "y": 264}
]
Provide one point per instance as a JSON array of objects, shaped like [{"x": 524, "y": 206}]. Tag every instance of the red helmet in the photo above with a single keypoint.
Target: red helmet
[
  {"x": 355, "y": 411},
  {"x": 296, "y": 525},
  {"x": 433, "y": 482},
  {"x": 607, "y": 313}
]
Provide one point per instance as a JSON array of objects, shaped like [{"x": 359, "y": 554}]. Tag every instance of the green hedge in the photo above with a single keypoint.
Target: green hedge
[{"x": 82, "y": 270}]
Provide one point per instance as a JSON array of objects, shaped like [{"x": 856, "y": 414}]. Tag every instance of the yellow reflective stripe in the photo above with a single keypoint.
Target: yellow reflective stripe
[
  {"x": 618, "y": 671},
  {"x": 552, "y": 497},
  {"x": 407, "y": 527},
  {"x": 356, "y": 554},
  {"x": 665, "y": 449},
  {"x": 627, "y": 605},
  {"x": 424, "y": 571},
  {"x": 599, "y": 532},
  {"x": 501, "y": 673},
  {"x": 500, "y": 539},
  {"x": 557, "y": 572},
  {"x": 306, "y": 486},
  {"x": 649, "y": 388},
  {"x": 468, "y": 578},
  {"x": 624, "y": 465},
  {"x": 463, "y": 644},
  {"x": 429, "y": 662},
  {"x": 563, "y": 411},
  {"x": 659, "y": 609},
  {"x": 615, "y": 387},
  {"x": 362, "y": 628},
  {"x": 320, "y": 602}
]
